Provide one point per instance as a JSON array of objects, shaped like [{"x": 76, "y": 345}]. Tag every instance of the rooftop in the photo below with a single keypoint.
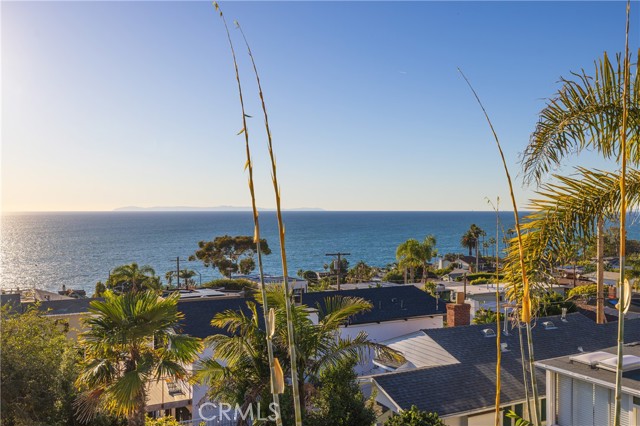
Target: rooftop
[
  {"x": 567, "y": 365},
  {"x": 469, "y": 385},
  {"x": 389, "y": 303}
]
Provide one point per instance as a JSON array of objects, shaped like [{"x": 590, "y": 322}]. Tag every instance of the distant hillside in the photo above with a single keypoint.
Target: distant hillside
[{"x": 204, "y": 209}]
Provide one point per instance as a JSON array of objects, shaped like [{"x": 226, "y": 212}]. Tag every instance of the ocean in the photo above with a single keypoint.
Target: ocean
[{"x": 47, "y": 250}]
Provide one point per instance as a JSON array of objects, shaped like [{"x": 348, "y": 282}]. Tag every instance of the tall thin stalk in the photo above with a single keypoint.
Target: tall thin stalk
[
  {"x": 623, "y": 219},
  {"x": 498, "y": 332},
  {"x": 256, "y": 223},
  {"x": 283, "y": 253},
  {"x": 526, "y": 299}
]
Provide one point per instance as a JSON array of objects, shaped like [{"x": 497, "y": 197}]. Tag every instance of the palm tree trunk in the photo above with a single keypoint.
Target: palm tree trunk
[
  {"x": 600, "y": 272},
  {"x": 137, "y": 418}
]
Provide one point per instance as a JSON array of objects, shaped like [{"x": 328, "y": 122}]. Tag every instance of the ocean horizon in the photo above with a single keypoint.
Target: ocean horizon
[{"x": 48, "y": 249}]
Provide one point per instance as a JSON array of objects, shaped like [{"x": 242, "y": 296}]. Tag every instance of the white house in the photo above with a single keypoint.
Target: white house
[{"x": 581, "y": 388}]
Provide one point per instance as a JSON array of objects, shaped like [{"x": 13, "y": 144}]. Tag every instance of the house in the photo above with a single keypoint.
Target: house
[
  {"x": 581, "y": 388},
  {"x": 296, "y": 284},
  {"x": 395, "y": 311},
  {"x": 453, "y": 369},
  {"x": 455, "y": 274},
  {"x": 609, "y": 278}
]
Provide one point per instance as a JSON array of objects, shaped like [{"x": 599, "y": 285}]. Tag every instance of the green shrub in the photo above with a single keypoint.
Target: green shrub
[
  {"x": 414, "y": 417},
  {"x": 394, "y": 276},
  {"x": 551, "y": 303},
  {"x": 486, "y": 316},
  {"x": 478, "y": 281},
  {"x": 232, "y": 284},
  {"x": 486, "y": 275},
  {"x": 583, "y": 291}
]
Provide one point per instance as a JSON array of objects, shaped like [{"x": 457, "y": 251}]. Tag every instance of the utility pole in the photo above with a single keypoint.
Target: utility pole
[
  {"x": 339, "y": 264},
  {"x": 177, "y": 259}
]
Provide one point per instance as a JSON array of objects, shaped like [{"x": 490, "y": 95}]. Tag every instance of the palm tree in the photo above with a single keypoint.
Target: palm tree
[
  {"x": 426, "y": 253},
  {"x": 600, "y": 113},
  {"x": 468, "y": 241},
  {"x": 169, "y": 277},
  {"x": 409, "y": 257},
  {"x": 131, "y": 342},
  {"x": 243, "y": 377},
  {"x": 134, "y": 278}
]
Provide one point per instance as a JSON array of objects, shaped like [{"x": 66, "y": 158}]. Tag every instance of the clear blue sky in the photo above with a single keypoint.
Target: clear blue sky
[{"x": 134, "y": 103}]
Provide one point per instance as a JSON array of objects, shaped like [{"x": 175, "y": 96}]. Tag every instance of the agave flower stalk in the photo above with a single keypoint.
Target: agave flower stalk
[
  {"x": 623, "y": 217},
  {"x": 256, "y": 222},
  {"x": 283, "y": 253},
  {"x": 498, "y": 333},
  {"x": 526, "y": 297}
]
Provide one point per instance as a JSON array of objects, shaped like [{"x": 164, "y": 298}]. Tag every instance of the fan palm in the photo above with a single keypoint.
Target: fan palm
[
  {"x": 238, "y": 371},
  {"x": 130, "y": 342}
]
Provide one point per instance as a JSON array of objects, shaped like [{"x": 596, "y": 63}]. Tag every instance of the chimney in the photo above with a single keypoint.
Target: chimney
[
  {"x": 458, "y": 313},
  {"x": 612, "y": 292}
]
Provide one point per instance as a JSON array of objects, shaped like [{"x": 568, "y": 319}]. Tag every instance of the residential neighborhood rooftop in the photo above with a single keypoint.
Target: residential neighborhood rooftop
[
  {"x": 469, "y": 384},
  {"x": 389, "y": 303},
  {"x": 570, "y": 366}
]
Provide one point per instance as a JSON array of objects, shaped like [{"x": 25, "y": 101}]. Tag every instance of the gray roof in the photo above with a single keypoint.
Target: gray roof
[
  {"x": 389, "y": 303},
  {"x": 470, "y": 385},
  {"x": 62, "y": 306},
  {"x": 630, "y": 379}
]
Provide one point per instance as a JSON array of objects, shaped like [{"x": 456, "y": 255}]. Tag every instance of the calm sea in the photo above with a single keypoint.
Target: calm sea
[{"x": 47, "y": 250}]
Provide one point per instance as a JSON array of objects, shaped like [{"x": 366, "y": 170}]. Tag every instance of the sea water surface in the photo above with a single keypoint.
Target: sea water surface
[{"x": 47, "y": 250}]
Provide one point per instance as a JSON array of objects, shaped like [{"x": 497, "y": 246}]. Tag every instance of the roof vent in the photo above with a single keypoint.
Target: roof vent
[
  {"x": 564, "y": 315},
  {"x": 549, "y": 325},
  {"x": 591, "y": 358},
  {"x": 504, "y": 347},
  {"x": 488, "y": 332},
  {"x": 629, "y": 362}
]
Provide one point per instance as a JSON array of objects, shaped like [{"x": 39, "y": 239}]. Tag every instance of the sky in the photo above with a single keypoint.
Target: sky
[{"x": 112, "y": 104}]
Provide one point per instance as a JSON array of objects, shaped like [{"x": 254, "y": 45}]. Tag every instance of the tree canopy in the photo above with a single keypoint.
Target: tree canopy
[
  {"x": 230, "y": 254},
  {"x": 37, "y": 370}
]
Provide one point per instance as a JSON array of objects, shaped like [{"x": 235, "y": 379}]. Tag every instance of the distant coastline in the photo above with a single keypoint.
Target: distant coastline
[{"x": 207, "y": 209}]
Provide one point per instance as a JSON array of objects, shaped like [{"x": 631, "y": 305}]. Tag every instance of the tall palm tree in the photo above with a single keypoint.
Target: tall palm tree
[
  {"x": 468, "y": 241},
  {"x": 134, "y": 278},
  {"x": 427, "y": 252},
  {"x": 131, "y": 342},
  {"x": 243, "y": 377},
  {"x": 409, "y": 257}
]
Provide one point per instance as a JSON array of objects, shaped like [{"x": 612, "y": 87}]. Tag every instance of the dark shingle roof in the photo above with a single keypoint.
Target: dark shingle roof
[
  {"x": 198, "y": 314},
  {"x": 389, "y": 303},
  {"x": 61, "y": 307},
  {"x": 470, "y": 385}
]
